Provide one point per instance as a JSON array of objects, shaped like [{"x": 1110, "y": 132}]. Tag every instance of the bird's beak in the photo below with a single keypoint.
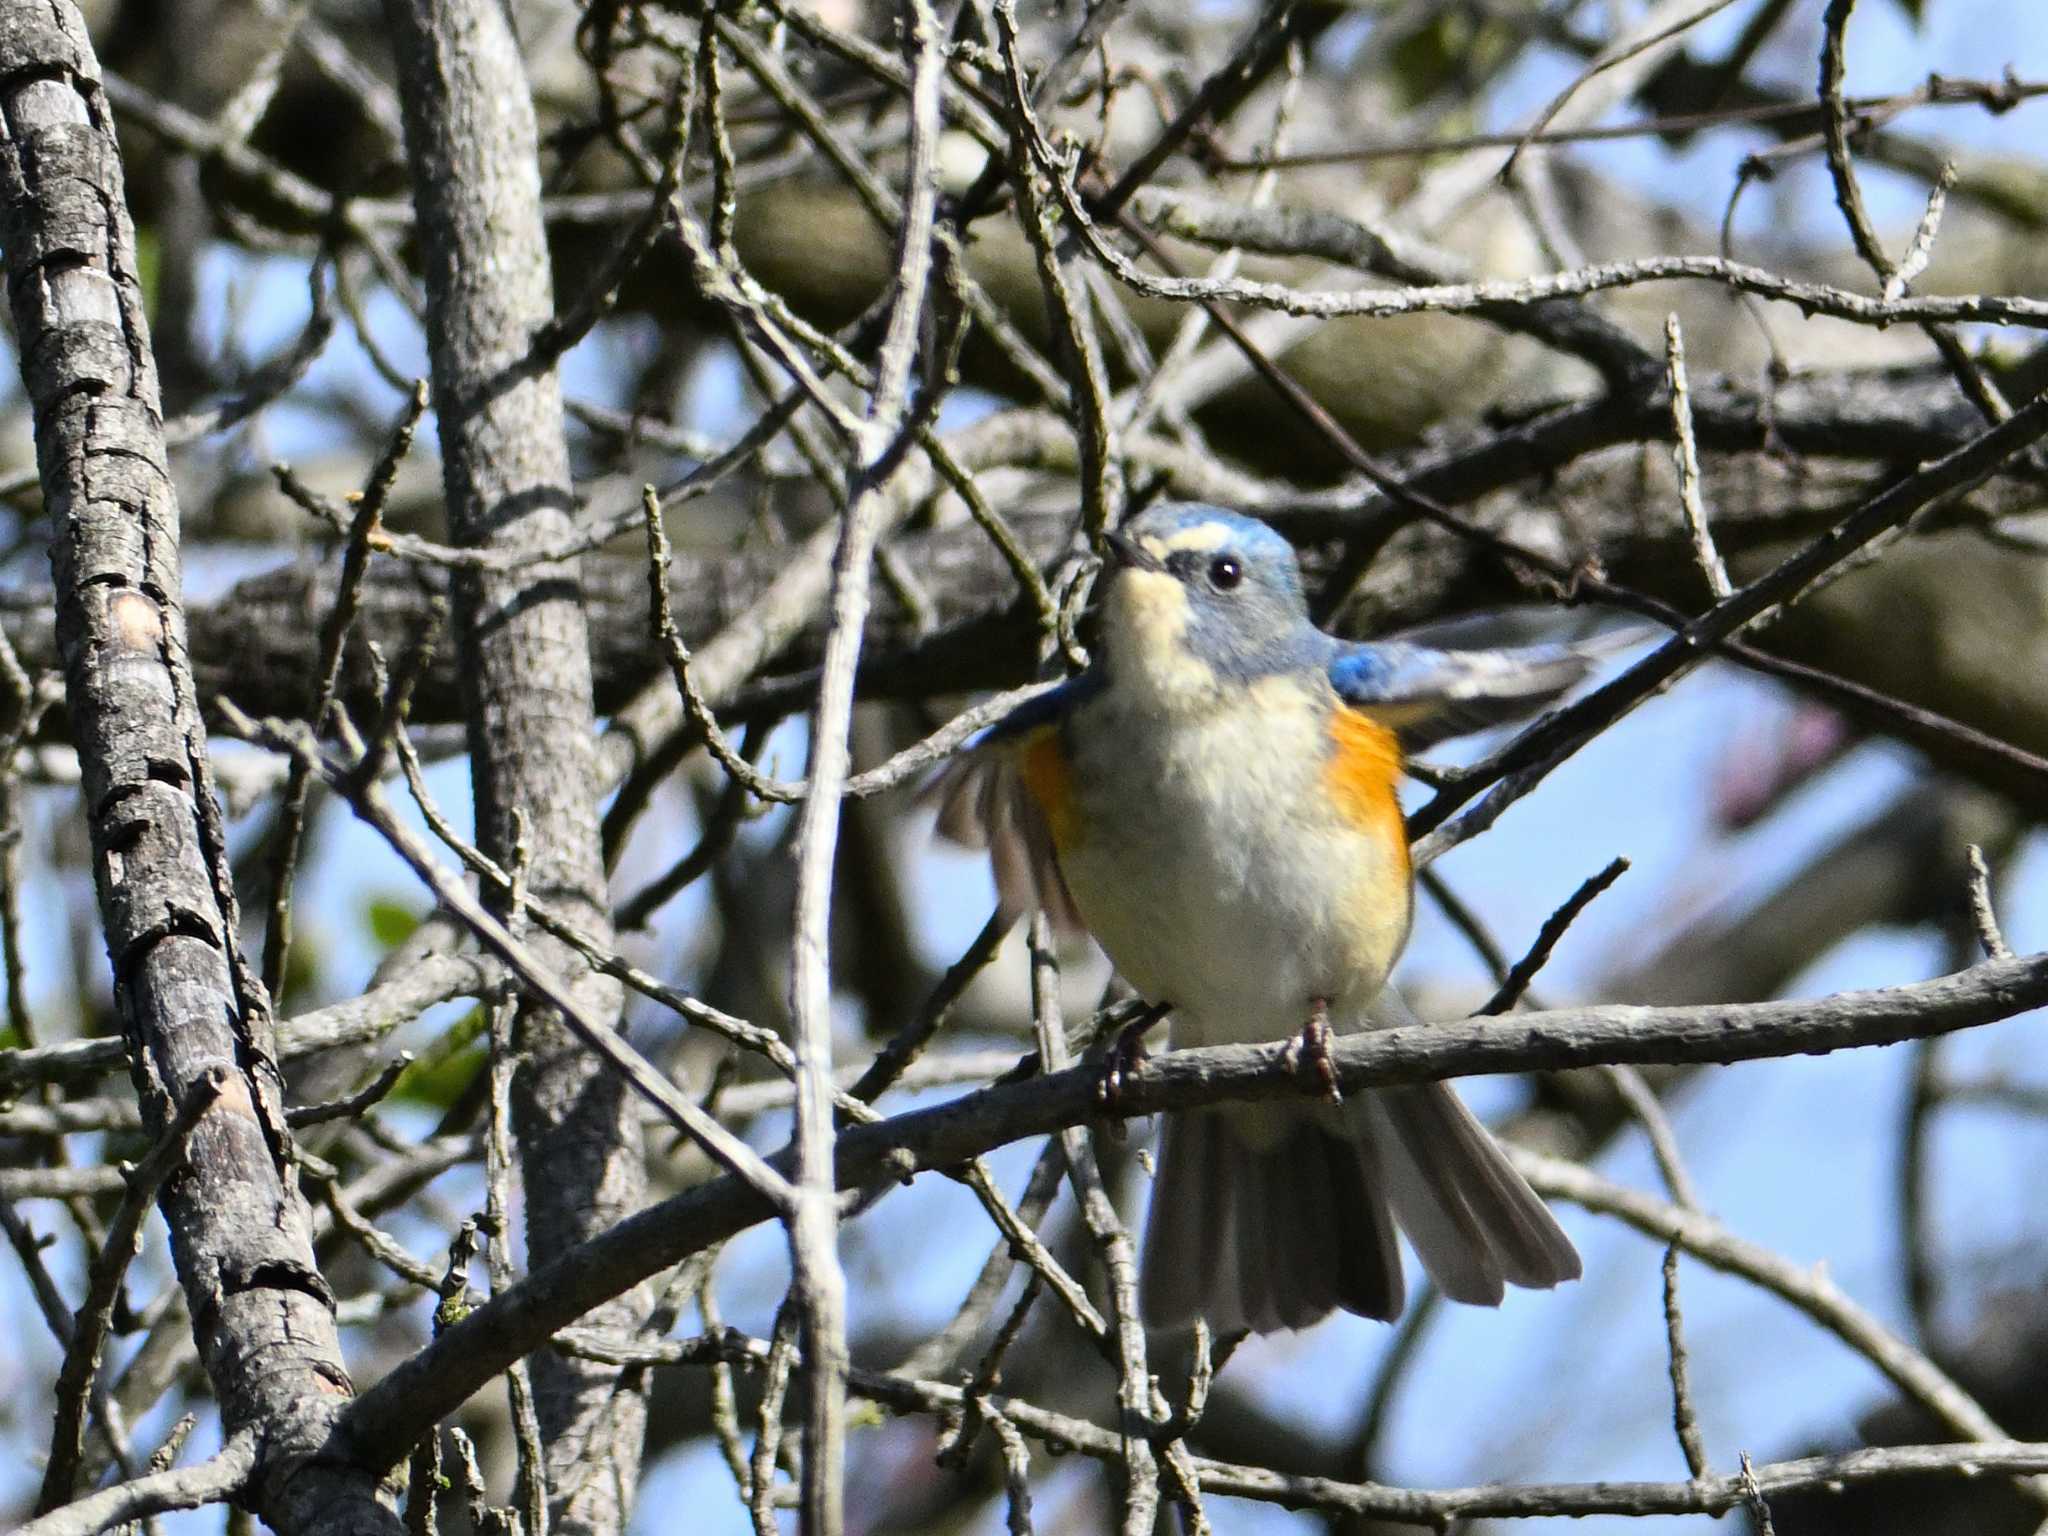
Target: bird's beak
[{"x": 1129, "y": 555}]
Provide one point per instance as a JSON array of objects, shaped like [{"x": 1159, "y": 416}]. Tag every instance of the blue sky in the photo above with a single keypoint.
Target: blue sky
[{"x": 1798, "y": 1155}]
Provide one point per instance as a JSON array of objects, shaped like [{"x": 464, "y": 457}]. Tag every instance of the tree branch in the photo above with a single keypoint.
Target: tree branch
[
  {"x": 472, "y": 145},
  {"x": 442, "y": 1376},
  {"x": 262, "y": 1315}
]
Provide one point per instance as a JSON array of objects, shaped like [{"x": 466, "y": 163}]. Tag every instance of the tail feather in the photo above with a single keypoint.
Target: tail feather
[
  {"x": 1300, "y": 1220},
  {"x": 1368, "y": 1254},
  {"x": 1266, "y": 1238},
  {"x": 1250, "y": 1221},
  {"x": 1428, "y": 1202},
  {"x": 1190, "y": 1257},
  {"x": 1464, "y": 1163},
  {"x": 1278, "y": 1235}
]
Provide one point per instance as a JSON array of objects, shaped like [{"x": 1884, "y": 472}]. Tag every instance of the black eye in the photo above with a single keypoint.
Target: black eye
[{"x": 1225, "y": 572}]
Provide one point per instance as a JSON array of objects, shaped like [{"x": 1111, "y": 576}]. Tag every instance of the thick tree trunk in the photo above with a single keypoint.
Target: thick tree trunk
[
  {"x": 191, "y": 1010},
  {"x": 471, "y": 139}
]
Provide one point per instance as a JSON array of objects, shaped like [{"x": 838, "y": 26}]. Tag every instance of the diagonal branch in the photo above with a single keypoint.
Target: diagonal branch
[{"x": 440, "y": 1377}]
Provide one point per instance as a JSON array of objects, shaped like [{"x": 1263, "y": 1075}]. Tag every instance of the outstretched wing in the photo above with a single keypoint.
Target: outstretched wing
[
  {"x": 1009, "y": 793},
  {"x": 1426, "y": 695}
]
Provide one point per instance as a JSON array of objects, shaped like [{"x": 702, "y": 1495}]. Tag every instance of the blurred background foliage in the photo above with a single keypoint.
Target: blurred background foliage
[{"x": 1783, "y": 843}]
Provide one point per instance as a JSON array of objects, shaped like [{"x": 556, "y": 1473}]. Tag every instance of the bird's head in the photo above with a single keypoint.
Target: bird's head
[{"x": 1199, "y": 600}]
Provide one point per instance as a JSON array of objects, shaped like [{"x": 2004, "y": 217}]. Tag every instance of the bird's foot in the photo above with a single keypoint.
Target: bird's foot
[
  {"x": 1312, "y": 1046},
  {"x": 1126, "y": 1057}
]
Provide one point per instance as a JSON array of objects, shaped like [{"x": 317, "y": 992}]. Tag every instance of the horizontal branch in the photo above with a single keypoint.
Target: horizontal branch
[
  {"x": 381, "y": 1426},
  {"x": 211, "y": 1481},
  {"x": 1380, "y": 1501},
  {"x": 1709, "y": 1495},
  {"x": 253, "y": 644},
  {"x": 353, "y": 1021},
  {"x": 1481, "y": 297}
]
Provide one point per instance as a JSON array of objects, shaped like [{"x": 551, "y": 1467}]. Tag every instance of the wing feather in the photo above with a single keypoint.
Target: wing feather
[
  {"x": 985, "y": 800},
  {"x": 1428, "y": 695}
]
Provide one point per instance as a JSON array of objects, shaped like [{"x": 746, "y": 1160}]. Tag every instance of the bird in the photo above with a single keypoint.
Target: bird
[{"x": 1214, "y": 799}]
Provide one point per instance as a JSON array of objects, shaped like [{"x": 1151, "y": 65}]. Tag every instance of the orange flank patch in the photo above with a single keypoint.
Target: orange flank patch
[
  {"x": 1043, "y": 762},
  {"x": 1364, "y": 768}
]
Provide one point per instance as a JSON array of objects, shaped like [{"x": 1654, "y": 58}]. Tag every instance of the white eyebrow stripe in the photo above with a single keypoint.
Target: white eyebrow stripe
[{"x": 1202, "y": 537}]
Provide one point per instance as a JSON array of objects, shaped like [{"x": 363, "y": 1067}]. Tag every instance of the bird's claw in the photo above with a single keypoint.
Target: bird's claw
[
  {"x": 1125, "y": 1059},
  {"x": 1312, "y": 1046}
]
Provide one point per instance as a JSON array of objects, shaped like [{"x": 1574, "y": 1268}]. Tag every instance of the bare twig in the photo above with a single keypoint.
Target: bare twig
[
  {"x": 211, "y": 1481},
  {"x": 1684, "y": 1420},
  {"x": 1656, "y": 29},
  {"x": 355, "y": 565},
  {"x": 383, "y": 1422},
  {"x": 1136, "y": 1419},
  {"x": 1980, "y": 390},
  {"x": 1686, "y": 454},
  {"x": 1982, "y": 914},
  {"x": 1554, "y": 928},
  {"x": 356, "y": 1104},
  {"x": 95, "y": 1314},
  {"x": 818, "y": 1283}
]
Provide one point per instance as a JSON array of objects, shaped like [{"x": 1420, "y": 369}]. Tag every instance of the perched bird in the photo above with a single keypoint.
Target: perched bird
[{"x": 1214, "y": 799}]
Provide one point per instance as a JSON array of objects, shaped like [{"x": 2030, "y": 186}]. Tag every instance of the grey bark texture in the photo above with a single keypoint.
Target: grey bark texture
[
  {"x": 389, "y": 1415},
  {"x": 472, "y": 144},
  {"x": 240, "y": 1234}
]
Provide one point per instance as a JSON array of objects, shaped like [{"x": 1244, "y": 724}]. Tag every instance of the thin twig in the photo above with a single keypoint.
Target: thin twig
[
  {"x": 1554, "y": 929},
  {"x": 1982, "y": 913},
  {"x": 1651, "y": 33},
  {"x": 903, "y": 1048},
  {"x": 95, "y": 1314},
  {"x": 218, "y": 1478},
  {"x": 1976, "y": 386},
  {"x": 356, "y": 1104},
  {"x": 1863, "y": 111},
  {"x": 1686, "y": 455},
  {"x": 355, "y": 566},
  {"x": 1136, "y": 1419},
  {"x": 1684, "y": 1419},
  {"x": 1076, "y": 345}
]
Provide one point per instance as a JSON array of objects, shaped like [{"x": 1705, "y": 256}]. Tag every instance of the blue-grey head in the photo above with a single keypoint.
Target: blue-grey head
[{"x": 1200, "y": 598}]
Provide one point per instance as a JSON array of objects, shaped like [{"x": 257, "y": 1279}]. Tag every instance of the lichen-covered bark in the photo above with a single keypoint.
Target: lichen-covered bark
[
  {"x": 262, "y": 1315},
  {"x": 471, "y": 140}
]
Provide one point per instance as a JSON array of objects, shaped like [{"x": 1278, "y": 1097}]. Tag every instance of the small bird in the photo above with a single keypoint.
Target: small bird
[{"x": 1214, "y": 799}]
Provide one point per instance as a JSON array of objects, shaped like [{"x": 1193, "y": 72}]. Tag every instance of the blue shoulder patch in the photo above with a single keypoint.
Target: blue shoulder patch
[
  {"x": 1371, "y": 674},
  {"x": 1048, "y": 708},
  {"x": 1429, "y": 695}
]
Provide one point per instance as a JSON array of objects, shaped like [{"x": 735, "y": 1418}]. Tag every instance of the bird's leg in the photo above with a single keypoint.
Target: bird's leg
[
  {"x": 1313, "y": 1046},
  {"x": 1127, "y": 1054}
]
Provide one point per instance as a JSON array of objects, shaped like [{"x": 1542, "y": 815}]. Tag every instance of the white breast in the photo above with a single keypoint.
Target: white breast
[{"x": 1213, "y": 872}]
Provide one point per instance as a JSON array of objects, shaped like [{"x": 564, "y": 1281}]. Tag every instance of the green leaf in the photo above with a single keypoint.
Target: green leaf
[
  {"x": 448, "y": 1066},
  {"x": 391, "y": 921},
  {"x": 148, "y": 267}
]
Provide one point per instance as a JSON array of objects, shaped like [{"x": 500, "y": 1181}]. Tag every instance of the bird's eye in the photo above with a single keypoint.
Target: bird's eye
[{"x": 1225, "y": 572}]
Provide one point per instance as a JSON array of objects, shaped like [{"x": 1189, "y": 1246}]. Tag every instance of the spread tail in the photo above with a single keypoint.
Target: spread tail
[{"x": 1271, "y": 1237}]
